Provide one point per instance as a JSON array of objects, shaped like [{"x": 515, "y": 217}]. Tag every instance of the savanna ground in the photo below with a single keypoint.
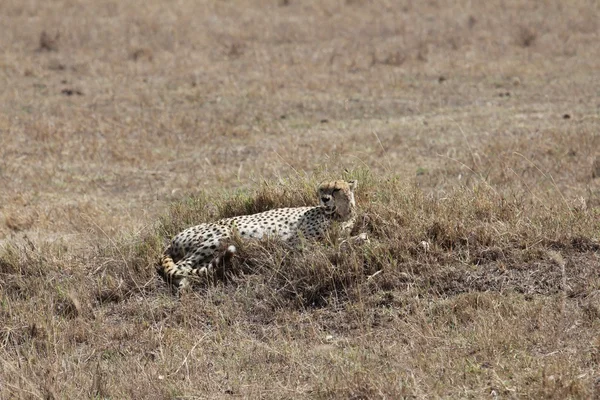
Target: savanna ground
[{"x": 473, "y": 128}]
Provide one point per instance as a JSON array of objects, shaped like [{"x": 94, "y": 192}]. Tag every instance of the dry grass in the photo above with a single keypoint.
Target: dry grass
[
  {"x": 502, "y": 298},
  {"x": 472, "y": 128}
]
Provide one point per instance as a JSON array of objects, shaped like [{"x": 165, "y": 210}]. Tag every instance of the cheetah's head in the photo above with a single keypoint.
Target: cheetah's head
[{"x": 338, "y": 197}]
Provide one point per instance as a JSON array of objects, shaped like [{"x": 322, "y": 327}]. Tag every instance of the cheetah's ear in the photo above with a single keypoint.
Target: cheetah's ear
[{"x": 353, "y": 184}]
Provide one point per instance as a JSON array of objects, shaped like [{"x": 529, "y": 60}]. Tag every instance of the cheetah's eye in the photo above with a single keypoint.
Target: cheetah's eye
[{"x": 336, "y": 190}]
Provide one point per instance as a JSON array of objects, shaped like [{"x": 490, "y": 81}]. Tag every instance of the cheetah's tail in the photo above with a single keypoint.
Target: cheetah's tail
[{"x": 167, "y": 267}]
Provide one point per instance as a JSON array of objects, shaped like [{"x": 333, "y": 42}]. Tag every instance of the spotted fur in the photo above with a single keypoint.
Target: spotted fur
[{"x": 204, "y": 250}]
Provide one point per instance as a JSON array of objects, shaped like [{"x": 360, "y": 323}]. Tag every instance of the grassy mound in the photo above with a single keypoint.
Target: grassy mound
[{"x": 469, "y": 240}]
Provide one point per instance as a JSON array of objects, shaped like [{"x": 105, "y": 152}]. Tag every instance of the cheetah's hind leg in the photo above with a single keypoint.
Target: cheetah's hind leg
[
  {"x": 218, "y": 265},
  {"x": 208, "y": 272}
]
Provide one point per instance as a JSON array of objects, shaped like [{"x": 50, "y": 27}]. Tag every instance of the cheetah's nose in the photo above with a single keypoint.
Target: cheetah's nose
[{"x": 325, "y": 199}]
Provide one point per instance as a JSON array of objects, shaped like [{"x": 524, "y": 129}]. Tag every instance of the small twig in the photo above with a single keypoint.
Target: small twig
[
  {"x": 287, "y": 163},
  {"x": 188, "y": 355},
  {"x": 374, "y": 275}
]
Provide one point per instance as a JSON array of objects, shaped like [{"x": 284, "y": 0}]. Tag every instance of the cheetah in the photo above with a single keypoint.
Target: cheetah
[{"x": 198, "y": 251}]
